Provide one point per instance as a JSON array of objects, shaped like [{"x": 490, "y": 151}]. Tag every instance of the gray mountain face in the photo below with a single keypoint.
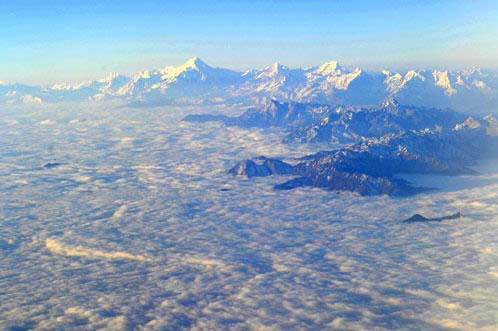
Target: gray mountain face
[
  {"x": 313, "y": 123},
  {"x": 195, "y": 82},
  {"x": 370, "y": 167},
  {"x": 356, "y": 124},
  {"x": 273, "y": 114},
  {"x": 417, "y": 218},
  {"x": 261, "y": 167}
]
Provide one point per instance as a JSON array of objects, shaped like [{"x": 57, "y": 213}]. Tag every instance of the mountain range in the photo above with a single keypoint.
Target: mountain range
[
  {"x": 195, "y": 82},
  {"x": 379, "y": 144},
  {"x": 317, "y": 123}
]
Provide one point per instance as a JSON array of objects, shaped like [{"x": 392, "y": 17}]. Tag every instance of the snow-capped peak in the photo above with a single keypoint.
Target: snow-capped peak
[
  {"x": 492, "y": 125},
  {"x": 411, "y": 74},
  {"x": 328, "y": 68},
  {"x": 469, "y": 123},
  {"x": 277, "y": 68},
  {"x": 272, "y": 71},
  {"x": 442, "y": 80},
  {"x": 192, "y": 64},
  {"x": 144, "y": 74},
  {"x": 110, "y": 77}
]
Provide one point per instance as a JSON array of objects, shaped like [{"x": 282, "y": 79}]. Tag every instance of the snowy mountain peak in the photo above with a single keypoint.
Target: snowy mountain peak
[
  {"x": 492, "y": 125},
  {"x": 143, "y": 74},
  {"x": 469, "y": 123},
  {"x": 195, "y": 63},
  {"x": 192, "y": 64},
  {"x": 277, "y": 68},
  {"x": 108, "y": 80},
  {"x": 490, "y": 118},
  {"x": 442, "y": 80},
  {"x": 411, "y": 74},
  {"x": 272, "y": 71},
  {"x": 328, "y": 68},
  {"x": 110, "y": 77}
]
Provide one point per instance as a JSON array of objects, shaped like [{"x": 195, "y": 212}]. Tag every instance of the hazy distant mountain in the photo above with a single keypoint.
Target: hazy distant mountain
[
  {"x": 196, "y": 82},
  {"x": 99, "y": 89}
]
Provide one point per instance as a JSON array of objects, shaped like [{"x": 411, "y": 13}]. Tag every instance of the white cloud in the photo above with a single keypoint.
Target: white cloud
[
  {"x": 56, "y": 247},
  {"x": 223, "y": 253}
]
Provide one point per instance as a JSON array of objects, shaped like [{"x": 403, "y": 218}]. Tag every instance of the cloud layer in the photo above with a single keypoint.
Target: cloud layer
[{"x": 140, "y": 228}]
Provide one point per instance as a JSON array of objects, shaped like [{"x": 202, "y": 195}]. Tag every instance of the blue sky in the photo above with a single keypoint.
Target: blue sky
[{"x": 46, "y": 41}]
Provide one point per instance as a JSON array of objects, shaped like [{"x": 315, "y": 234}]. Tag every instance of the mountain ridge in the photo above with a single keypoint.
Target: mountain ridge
[{"x": 379, "y": 144}]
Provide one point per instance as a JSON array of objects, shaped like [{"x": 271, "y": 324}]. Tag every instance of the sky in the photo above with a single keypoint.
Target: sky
[{"x": 48, "y": 41}]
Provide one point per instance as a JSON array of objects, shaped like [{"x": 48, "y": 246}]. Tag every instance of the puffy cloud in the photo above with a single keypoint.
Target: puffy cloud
[{"x": 157, "y": 235}]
